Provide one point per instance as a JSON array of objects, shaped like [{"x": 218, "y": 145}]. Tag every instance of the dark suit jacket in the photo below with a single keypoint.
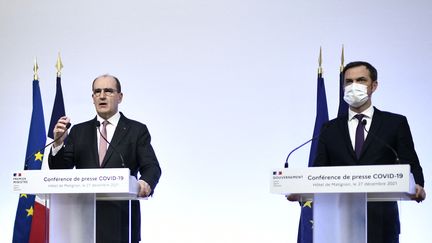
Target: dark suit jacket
[
  {"x": 335, "y": 149},
  {"x": 132, "y": 140}
]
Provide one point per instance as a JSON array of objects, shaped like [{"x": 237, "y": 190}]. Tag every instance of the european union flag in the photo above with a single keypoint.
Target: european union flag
[
  {"x": 33, "y": 161},
  {"x": 305, "y": 233}
]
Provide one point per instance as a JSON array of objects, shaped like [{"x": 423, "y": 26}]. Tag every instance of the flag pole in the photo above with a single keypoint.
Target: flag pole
[
  {"x": 59, "y": 65},
  {"x": 343, "y": 106},
  {"x": 342, "y": 59},
  {"x": 35, "y": 70},
  {"x": 320, "y": 62}
]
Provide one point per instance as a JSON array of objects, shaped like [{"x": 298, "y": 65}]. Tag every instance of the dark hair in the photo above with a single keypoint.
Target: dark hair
[
  {"x": 372, "y": 70},
  {"x": 118, "y": 86}
]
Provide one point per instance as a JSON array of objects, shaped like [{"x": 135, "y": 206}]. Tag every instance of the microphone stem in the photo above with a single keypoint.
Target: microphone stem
[
  {"x": 397, "y": 160},
  {"x": 286, "y": 161},
  {"x": 68, "y": 125},
  {"x": 104, "y": 138}
]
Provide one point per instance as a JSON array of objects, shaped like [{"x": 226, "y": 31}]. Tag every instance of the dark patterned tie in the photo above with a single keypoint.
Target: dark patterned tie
[
  {"x": 359, "y": 138},
  {"x": 102, "y": 142}
]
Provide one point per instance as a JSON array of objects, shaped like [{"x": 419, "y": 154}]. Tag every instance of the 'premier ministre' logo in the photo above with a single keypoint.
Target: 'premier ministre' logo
[{"x": 19, "y": 178}]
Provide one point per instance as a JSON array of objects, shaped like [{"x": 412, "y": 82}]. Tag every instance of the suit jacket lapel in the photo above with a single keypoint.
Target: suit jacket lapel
[
  {"x": 375, "y": 126},
  {"x": 343, "y": 124},
  {"x": 119, "y": 133},
  {"x": 93, "y": 137}
]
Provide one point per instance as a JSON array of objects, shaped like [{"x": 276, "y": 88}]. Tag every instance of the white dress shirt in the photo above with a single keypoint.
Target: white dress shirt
[
  {"x": 111, "y": 127},
  {"x": 353, "y": 122}
]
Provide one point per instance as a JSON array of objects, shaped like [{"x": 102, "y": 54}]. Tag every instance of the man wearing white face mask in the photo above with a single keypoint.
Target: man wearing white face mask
[{"x": 344, "y": 142}]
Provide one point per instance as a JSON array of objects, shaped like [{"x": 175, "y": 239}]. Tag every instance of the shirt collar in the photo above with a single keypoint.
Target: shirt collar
[
  {"x": 368, "y": 113},
  {"x": 112, "y": 120}
]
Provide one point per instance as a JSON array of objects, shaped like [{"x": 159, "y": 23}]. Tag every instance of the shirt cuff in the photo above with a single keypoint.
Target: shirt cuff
[{"x": 55, "y": 150}]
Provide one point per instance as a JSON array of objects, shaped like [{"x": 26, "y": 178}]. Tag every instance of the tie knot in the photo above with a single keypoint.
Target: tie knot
[
  {"x": 105, "y": 122},
  {"x": 359, "y": 117}
]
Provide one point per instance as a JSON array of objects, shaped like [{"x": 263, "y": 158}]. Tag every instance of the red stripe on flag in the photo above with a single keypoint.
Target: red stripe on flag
[{"x": 39, "y": 232}]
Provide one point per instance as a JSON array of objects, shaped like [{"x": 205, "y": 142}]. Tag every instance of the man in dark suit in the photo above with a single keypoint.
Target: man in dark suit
[
  {"x": 338, "y": 146},
  {"x": 129, "y": 147}
]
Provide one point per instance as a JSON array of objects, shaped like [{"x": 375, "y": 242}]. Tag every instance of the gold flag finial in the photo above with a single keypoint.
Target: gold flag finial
[
  {"x": 320, "y": 61},
  {"x": 342, "y": 59},
  {"x": 59, "y": 65},
  {"x": 35, "y": 70}
]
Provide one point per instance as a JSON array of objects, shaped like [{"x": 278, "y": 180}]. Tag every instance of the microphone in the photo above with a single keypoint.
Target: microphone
[
  {"x": 115, "y": 150},
  {"x": 308, "y": 141},
  {"x": 68, "y": 125},
  {"x": 397, "y": 160}
]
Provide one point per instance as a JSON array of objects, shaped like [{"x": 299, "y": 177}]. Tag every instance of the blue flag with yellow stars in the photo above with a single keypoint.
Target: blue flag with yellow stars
[
  {"x": 33, "y": 161},
  {"x": 305, "y": 232}
]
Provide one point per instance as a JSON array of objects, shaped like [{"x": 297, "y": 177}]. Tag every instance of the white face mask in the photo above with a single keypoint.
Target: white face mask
[{"x": 356, "y": 94}]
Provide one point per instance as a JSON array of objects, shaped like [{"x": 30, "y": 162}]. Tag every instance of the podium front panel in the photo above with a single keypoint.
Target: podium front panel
[
  {"x": 72, "y": 218},
  {"x": 340, "y": 218}
]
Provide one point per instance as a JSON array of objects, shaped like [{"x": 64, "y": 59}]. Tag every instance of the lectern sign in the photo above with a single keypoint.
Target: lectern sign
[
  {"x": 71, "y": 196},
  {"x": 66, "y": 181},
  {"x": 383, "y": 180}
]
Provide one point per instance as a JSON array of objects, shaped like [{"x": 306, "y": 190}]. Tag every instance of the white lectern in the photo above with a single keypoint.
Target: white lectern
[
  {"x": 71, "y": 196},
  {"x": 340, "y": 195}
]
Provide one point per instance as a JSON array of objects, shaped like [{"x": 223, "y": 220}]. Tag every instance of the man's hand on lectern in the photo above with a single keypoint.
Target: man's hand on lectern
[
  {"x": 293, "y": 197},
  {"x": 420, "y": 194},
  {"x": 144, "y": 190}
]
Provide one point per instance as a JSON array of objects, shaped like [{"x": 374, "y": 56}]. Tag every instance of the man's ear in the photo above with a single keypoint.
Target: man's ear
[
  {"x": 374, "y": 85},
  {"x": 120, "y": 98}
]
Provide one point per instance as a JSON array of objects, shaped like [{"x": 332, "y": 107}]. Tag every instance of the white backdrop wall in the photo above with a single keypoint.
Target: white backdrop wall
[{"x": 227, "y": 89}]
